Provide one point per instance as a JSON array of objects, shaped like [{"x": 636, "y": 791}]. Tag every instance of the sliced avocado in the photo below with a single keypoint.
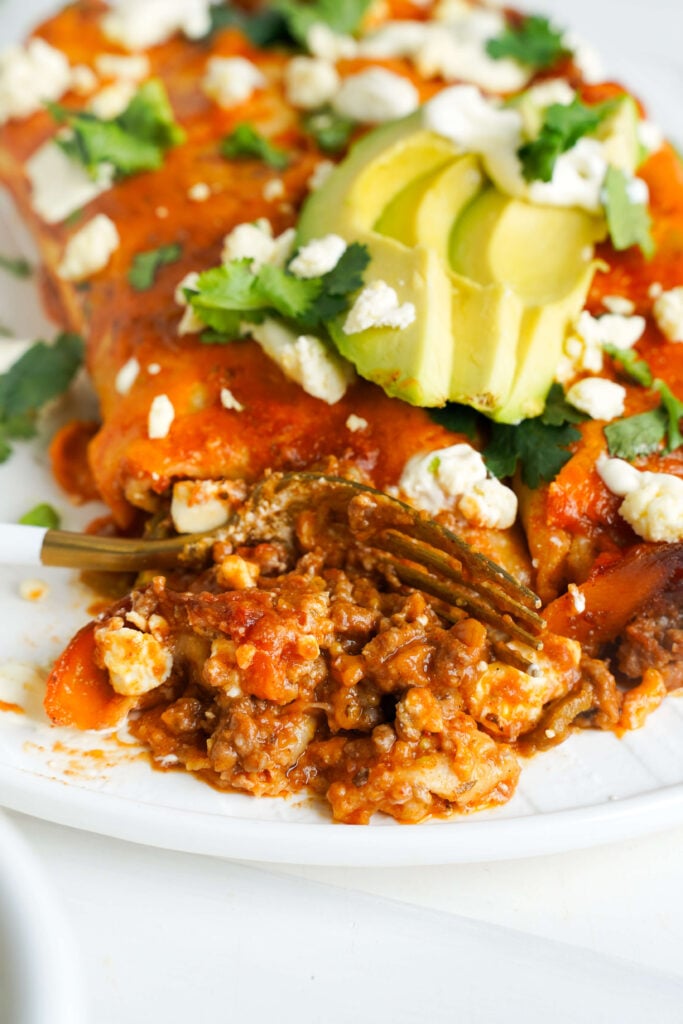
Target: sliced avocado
[{"x": 399, "y": 217}]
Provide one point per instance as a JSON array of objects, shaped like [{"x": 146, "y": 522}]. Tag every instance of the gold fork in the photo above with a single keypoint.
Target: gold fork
[{"x": 419, "y": 552}]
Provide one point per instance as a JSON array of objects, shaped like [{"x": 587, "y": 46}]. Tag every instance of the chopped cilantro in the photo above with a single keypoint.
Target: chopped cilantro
[
  {"x": 628, "y": 361},
  {"x": 42, "y": 515},
  {"x": 134, "y": 141},
  {"x": 673, "y": 410},
  {"x": 628, "y": 222},
  {"x": 563, "y": 126},
  {"x": 330, "y": 131},
  {"x": 433, "y": 466},
  {"x": 636, "y": 435},
  {"x": 143, "y": 272},
  {"x": 245, "y": 143},
  {"x": 540, "y": 444},
  {"x": 460, "y": 419},
  {"x": 228, "y": 296},
  {"x": 533, "y": 42},
  {"x": 339, "y": 15},
  {"x": 42, "y": 373},
  {"x": 18, "y": 267},
  {"x": 262, "y": 28}
]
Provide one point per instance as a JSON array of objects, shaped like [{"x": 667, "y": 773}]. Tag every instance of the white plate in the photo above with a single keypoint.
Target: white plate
[
  {"x": 592, "y": 789},
  {"x": 40, "y": 977}
]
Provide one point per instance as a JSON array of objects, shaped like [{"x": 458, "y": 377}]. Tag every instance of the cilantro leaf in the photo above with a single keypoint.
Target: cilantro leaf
[
  {"x": 288, "y": 295},
  {"x": 541, "y": 449},
  {"x": 628, "y": 361},
  {"x": 628, "y": 222},
  {"x": 134, "y": 141},
  {"x": 563, "y": 126},
  {"x": 339, "y": 15},
  {"x": 558, "y": 410},
  {"x": 42, "y": 373},
  {"x": 330, "y": 131},
  {"x": 143, "y": 272},
  {"x": 245, "y": 142},
  {"x": 636, "y": 435},
  {"x": 337, "y": 284},
  {"x": 262, "y": 28},
  {"x": 42, "y": 515},
  {"x": 533, "y": 42},
  {"x": 673, "y": 410},
  {"x": 18, "y": 267},
  {"x": 460, "y": 419}
]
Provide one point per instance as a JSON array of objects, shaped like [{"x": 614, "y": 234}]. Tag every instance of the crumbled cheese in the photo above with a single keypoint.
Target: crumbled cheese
[
  {"x": 323, "y": 42},
  {"x": 618, "y": 304},
  {"x": 577, "y": 179},
  {"x": 31, "y": 76},
  {"x": 237, "y": 573},
  {"x": 320, "y": 175},
  {"x": 127, "y": 376},
  {"x": 310, "y": 82},
  {"x": 637, "y": 191},
  {"x": 60, "y": 186},
  {"x": 655, "y": 290},
  {"x": 577, "y": 598},
  {"x": 231, "y": 80},
  {"x": 320, "y": 371},
  {"x": 33, "y": 590},
  {"x": 161, "y": 416},
  {"x": 273, "y": 190},
  {"x": 552, "y": 91},
  {"x": 90, "y": 249},
  {"x": 136, "y": 662},
  {"x": 83, "y": 79},
  {"x": 378, "y": 306},
  {"x": 111, "y": 101},
  {"x": 434, "y": 480},
  {"x": 668, "y": 311},
  {"x": 463, "y": 115},
  {"x": 136, "y": 25},
  {"x": 255, "y": 242},
  {"x": 199, "y": 192},
  {"x": 653, "y": 502},
  {"x": 601, "y": 399},
  {"x": 376, "y": 95},
  {"x": 190, "y": 322},
  {"x": 356, "y": 423},
  {"x": 318, "y": 257},
  {"x": 585, "y": 57},
  {"x": 153, "y": 369},
  {"x": 114, "y": 65},
  {"x": 198, "y": 506},
  {"x": 583, "y": 346},
  {"x": 228, "y": 401},
  {"x": 489, "y": 504},
  {"x": 650, "y": 136}
]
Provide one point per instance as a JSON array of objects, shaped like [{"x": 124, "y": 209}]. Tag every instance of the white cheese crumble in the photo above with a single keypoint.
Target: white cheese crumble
[
  {"x": 577, "y": 598},
  {"x": 190, "y": 322},
  {"x": 378, "y": 306},
  {"x": 323, "y": 42},
  {"x": 255, "y": 242},
  {"x": 231, "y": 80},
  {"x": 115, "y": 65},
  {"x": 111, "y": 101},
  {"x": 583, "y": 346},
  {"x": 83, "y": 79},
  {"x": 153, "y": 369},
  {"x": 199, "y": 192},
  {"x": 619, "y": 304},
  {"x": 161, "y": 416},
  {"x": 318, "y": 257},
  {"x": 650, "y": 136},
  {"x": 138, "y": 24},
  {"x": 376, "y": 95},
  {"x": 305, "y": 359},
  {"x": 655, "y": 290},
  {"x": 668, "y": 311},
  {"x": 653, "y": 502},
  {"x": 601, "y": 399},
  {"x": 456, "y": 477},
  {"x": 320, "y": 175},
  {"x": 273, "y": 190},
  {"x": 228, "y": 401},
  {"x": 127, "y": 376},
  {"x": 31, "y": 76},
  {"x": 310, "y": 82},
  {"x": 90, "y": 249},
  {"x": 198, "y": 506},
  {"x": 356, "y": 423},
  {"x": 472, "y": 122},
  {"x": 136, "y": 662},
  {"x": 60, "y": 186}
]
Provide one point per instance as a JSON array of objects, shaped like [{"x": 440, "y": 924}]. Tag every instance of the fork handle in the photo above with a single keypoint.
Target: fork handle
[{"x": 21, "y": 545}]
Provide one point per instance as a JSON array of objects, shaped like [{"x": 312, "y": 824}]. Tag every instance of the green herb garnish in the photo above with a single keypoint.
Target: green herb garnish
[
  {"x": 246, "y": 143},
  {"x": 340, "y": 15},
  {"x": 145, "y": 266},
  {"x": 42, "y": 515},
  {"x": 628, "y": 222},
  {"x": 533, "y": 42},
  {"x": 262, "y": 28},
  {"x": 134, "y": 141},
  {"x": 18, "y": 266},
  {"x": 330, "y": 131},
  {"x": 628, "y": 361},
  {"x": 41, "y": 374},
  {"x": 460, "y": 419},
  {"x": 563, "y": 126}
]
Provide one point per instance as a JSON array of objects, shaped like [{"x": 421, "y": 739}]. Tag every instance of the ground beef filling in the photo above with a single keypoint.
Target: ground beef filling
[{"x": 269, "y": 674}]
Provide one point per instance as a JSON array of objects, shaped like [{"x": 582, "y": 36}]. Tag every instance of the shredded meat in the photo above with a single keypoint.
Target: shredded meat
[{"x": 654, "y": 639}]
